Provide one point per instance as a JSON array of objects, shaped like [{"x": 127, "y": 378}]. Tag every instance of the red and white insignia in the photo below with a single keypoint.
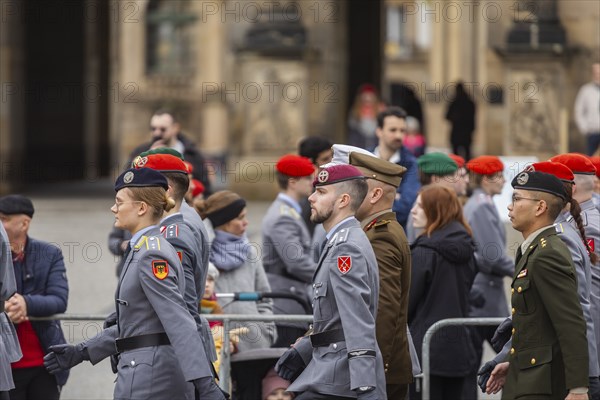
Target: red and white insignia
[
  {"x": 344, "y": 264},
  {"x": 180, "y": 255},
  {"x": 522, "y": 274},
  {"x": 592, "y": 244},
  {"x": 160, "y": 269}
]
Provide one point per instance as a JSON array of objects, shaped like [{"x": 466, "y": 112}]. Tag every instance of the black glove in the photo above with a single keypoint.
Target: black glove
[
  {"x": 207, "y": 389},
  {"x": 484, "y": 374},
  {"x": 370, "y": 395},
  {"x": 290, "y": 365},
  {"x": 502, "y": 334},
  {"x": 477, "y": 298},
  {"x": 64, "y": 356}
]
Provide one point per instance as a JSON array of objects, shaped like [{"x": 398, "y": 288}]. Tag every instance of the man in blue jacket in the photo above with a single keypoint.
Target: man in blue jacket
[
  {"x": 42, "y": 290},
  {"x": 391, "y": 128}
]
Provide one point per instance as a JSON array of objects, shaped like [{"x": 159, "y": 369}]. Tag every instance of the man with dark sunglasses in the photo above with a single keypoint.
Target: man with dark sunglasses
[{"x": 165, "y": 131}]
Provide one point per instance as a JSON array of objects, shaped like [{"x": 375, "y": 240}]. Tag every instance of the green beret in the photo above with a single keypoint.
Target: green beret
[{"x": 438, "y": 164}]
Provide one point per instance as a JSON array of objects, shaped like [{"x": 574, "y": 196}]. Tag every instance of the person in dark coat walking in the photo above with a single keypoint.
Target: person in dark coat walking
[
  {"x": 42, "y": 290},
  {"x": 461, "y": 114},
  {"x": 442, "y": 274}
]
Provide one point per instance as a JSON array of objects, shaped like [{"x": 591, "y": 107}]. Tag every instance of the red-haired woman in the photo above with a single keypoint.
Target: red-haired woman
[{"x": 443, "y": 269}]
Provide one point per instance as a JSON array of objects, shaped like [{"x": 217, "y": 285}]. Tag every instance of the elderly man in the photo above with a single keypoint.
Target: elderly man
[
  {"x": 340, "y": 359},
  {"x": 42, "y": 290}
]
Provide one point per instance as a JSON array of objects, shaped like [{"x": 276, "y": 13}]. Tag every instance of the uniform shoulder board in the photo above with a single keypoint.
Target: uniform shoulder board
[
  {"x": 559, "y": 228},
  {"x": 383, "y": 222},
  {"x": 143, "y": 241},
  {"x": 171, "y": 231},
  {"x": 543, "y": 242},
  {"x": 341, "y": 236},
  {"x": 284, "y": 209}
]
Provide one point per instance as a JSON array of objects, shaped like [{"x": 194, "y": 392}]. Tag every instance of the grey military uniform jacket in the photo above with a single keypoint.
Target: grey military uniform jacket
[
  {"x": 591, "y": 223},
  {"x": 490, "y": 254},
  {"x": 10, "y": 350},
  {"x": 188, "y": 248},
  {"x": 149, "y": 300},
  {"x": 581, "y": 261},
  {"x": 287, "y": 254},
  {"x": 346, "y": 292}
]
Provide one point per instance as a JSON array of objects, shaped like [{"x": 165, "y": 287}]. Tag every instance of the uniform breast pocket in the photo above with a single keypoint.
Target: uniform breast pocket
[
  {"x": 333, "y": 364},
  {"x": 135, "y": 374},
  {"x": 523, "y": 298},
  {"x": 321, "y": 304}
]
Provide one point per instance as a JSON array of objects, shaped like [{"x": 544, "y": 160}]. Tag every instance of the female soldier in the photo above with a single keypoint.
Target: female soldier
[{"x": 155, "y": 335}]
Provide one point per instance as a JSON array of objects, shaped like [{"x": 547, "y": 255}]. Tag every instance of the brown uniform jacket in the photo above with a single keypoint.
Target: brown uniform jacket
[
  {"x": 549, "y": 354},
  {"x": 393, "y": 259}
]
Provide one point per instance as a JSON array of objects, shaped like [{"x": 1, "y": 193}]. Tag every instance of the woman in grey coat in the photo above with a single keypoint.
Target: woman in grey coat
[{"x": 240, "y": 267}]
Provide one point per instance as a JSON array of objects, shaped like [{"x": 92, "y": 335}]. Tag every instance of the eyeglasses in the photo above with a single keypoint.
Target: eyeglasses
[
  {"x": 158, "y": 128},
  {"x": 120, "y": 203},
  {"x": 517, "y": 198}
]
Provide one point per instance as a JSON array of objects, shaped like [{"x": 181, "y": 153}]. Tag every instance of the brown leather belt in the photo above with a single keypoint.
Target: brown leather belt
[
  {"x": 325, "y": 338},
  {"x": 136, "y": 342}
]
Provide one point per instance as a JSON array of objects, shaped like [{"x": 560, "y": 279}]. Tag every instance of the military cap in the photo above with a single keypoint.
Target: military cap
[
  {"x": 189, "y": 167},
  {"x": 296, "y": 166},
  {"x": 341, "y": 153},
  {"x": 162, "y": 150},
  {"x": 161, "y": 163},
  {"x": 457, "y": 159},
  {"x": 559, "y": 170},
  {"x": 142, "y": 177},
  {"x": 578, "y": 163},
  {"x": 541, "y": 182},
  {"x": 337, "y": 173},
  {"x": 596, "y": 161},
  {"x": 378, "y": 169},
  {"x": 439, "y": 164},
  {"x": 485, "y": 165},
  {"x": 16, "y": 204},
  {"x": 197, "y": 187}
]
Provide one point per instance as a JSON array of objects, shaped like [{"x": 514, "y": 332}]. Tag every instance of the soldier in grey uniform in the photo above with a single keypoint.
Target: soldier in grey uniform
[
  {"x": 340, "y": 359},
  {"x": 487, "y": 293},
  {"x": 160, "y": 349},
  {"x": 287, "y": 248},
  {"x": 10, "y": 351}
]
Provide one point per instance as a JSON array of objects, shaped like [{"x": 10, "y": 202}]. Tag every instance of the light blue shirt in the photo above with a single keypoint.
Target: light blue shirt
[{"x": 139, "y": 234}]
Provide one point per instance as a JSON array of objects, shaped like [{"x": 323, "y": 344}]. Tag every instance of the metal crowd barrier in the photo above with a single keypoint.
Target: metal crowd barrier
[
  {"x": 225, "y": 370},
  {"x": 426, "y": 357}
]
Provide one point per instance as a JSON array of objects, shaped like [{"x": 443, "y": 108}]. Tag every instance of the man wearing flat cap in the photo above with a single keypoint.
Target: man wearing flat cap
[
  {"x": 42, "y": 290},
  {"x": 394, "y": 261},
  {"x": 287, "y": 252},
  {"x": 549, "y": 354},
  {"x": 340, "y": 359}
]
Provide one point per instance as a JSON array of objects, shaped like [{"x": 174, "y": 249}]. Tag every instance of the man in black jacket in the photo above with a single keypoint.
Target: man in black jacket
[{"x": 166, "y": 132}]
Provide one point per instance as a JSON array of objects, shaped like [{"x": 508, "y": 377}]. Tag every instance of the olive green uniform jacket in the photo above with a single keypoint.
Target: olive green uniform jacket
[
  {"x": 549, "y": 354},
  {"x": 393, "y": 260}
]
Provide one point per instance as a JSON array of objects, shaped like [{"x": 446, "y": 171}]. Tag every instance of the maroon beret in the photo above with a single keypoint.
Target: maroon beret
[{"x": 337, "y": 173}]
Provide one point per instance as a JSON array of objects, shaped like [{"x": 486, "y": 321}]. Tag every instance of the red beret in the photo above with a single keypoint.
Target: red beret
[
  {"x": 559, "y": 170},
  {"x": 457, "y": 159},
  {"x": 485, "y": 165},
  {"x": 337, "y": 173},
  {"x": 189, "y": 166},
  {"x": 197, "y": 187},
  {"x": 596, "y": 161},
  {"x": 577, "y": 163},
  {"x": 161, "y": 163},
  {"x": 293, "y": 165}
]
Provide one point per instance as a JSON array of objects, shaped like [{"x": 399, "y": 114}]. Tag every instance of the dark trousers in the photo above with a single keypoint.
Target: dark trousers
[
  {"x": 441, "y": 388},
  {"x": 318, "y": 396},
  {"x": 34, "y": 384},
  {"x": 462, "y": 149},
  {"x": 4, "y": 396},
  {"x": 593, "y": 142},
  {"x": 396, "y": 392}
]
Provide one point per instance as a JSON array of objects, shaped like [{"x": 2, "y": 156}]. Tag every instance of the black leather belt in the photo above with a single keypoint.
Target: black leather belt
[
  {"x": 136, "y": 342},
  {"x": 322, "y": 339}
]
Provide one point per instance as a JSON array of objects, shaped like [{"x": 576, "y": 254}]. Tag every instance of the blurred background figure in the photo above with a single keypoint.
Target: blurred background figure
[
  {"x": 239, "y": 264},
  {"x": 587, "y": 111},
  {"x": 274, "y": 387},
  {"x": 362, "y": 121},
  {"x": 461, "y": 115},
  {"x": 442, "y": 274},
  {"x": 42, "y": 290},
  {"x": 414, "y": 141}
]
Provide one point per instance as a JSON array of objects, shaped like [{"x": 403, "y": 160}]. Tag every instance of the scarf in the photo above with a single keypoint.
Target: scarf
[{"x": 229, "y": 252}]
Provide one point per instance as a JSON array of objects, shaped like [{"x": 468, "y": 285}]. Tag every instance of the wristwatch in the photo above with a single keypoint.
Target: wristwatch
[{"x": 366, "y": 388}]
